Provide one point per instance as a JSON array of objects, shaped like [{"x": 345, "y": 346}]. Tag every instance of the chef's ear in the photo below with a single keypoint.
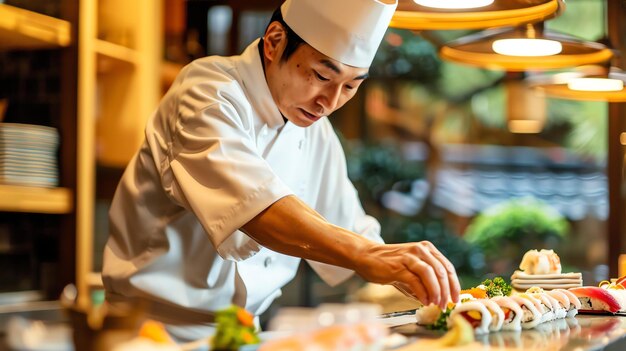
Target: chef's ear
[{"x": 274, "y": 42}]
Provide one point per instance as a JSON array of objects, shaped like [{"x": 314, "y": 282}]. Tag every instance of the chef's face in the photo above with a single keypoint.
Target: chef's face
[{"x": 309, "y": 84}]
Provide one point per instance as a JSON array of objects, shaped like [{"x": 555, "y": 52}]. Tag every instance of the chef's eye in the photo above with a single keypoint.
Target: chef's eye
[
  {"x": 321, "y": 77},
  {"x": 349, "y": 87}
]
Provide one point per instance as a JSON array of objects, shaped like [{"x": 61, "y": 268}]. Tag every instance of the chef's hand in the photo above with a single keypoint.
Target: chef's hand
[{"x": 417, "y": 269}]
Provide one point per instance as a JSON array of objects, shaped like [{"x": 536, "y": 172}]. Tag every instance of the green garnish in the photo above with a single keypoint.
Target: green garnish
[
  {"x": 497, "y": 287},
  {"x": 235, "y": 328},
  {"x": 442, "y": 321}
]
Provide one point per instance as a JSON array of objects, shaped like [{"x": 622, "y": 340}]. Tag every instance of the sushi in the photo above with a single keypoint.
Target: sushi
[
  {"x": 427, "y": 315},
  {"x": 563, "y": 303},
  {"x": 620, "y": 296},
  {"x": 574, "y": 302},
  {"x": 531, "y": 317},
  {"x": 617, "y": 289},
  {"x": 596, "y": 299},
  {"x": 476, "y": 314},
  {"x": 512, "y": 313},
  {"x": 543, "y": 307},
  {"x": 497, "y": 315}
]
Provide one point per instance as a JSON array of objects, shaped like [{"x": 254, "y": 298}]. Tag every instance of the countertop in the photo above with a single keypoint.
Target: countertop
[{"x": 582, "y": 333}]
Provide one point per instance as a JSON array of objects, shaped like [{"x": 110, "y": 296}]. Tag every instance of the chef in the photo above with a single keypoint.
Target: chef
[{"x": 241, "y": 176}]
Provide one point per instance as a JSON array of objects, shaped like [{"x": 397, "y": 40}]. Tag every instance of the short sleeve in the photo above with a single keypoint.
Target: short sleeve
[{"x": 214, "y": 170}]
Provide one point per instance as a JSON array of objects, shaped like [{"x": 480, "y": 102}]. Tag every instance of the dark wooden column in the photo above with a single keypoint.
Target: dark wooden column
[{"x": 616, "y": 14}]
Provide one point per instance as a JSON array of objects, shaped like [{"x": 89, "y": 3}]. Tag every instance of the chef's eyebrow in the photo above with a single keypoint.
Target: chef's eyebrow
[{"x": 336, "y": 69}]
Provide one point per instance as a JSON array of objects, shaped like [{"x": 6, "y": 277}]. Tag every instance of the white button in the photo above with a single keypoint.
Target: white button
[
  {"x": 264, "y": 131},
  {"x": 267, "y": 262}
]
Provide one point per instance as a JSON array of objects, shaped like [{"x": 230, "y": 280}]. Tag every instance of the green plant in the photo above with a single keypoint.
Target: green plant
[{"x": 509, "y": 229}]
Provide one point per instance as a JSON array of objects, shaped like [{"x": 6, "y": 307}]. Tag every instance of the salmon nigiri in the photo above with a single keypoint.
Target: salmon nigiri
[{"x": 596, "y": 299}]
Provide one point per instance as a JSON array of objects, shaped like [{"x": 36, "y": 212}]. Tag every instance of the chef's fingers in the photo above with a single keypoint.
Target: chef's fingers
[
  {"x": 425, "y": 252},
  {"x": 426, "y": 276},
  {"x": 453, "y": 279},
  {"x": 415, "y": 286}
]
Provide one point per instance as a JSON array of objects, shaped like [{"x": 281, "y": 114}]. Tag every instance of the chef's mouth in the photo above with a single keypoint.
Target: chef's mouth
[{"x": 310, "y": 115}]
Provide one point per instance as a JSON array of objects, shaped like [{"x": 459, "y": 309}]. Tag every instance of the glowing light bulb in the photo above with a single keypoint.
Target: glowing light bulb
[
  {"x": 526, "y": 47},
  {"x": 595, "y": 84}
]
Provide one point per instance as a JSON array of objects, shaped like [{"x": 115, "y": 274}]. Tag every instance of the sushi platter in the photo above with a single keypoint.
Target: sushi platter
[{"x": 548, "y": 310}]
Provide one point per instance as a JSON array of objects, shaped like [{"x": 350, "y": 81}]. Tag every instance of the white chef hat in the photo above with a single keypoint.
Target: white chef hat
[{"x": 348, "y": 31}]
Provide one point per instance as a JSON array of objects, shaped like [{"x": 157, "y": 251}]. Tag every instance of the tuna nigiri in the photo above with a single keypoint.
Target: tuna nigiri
[{"x": 596, "y": 299}]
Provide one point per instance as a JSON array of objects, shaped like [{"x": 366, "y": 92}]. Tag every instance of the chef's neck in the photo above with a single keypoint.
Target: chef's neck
[{"x": 260, "y": 47}]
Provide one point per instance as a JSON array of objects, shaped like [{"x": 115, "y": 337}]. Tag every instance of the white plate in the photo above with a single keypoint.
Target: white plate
[{"x": 523, "y": 276}]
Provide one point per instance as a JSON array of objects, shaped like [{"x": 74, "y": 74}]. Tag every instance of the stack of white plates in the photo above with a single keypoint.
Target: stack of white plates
[
  {"x": 522, "y": 281},
  {"x": 28, "y": 155}
]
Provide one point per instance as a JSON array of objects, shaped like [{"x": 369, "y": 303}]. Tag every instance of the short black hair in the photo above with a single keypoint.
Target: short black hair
[{"x": 293, "y": 39}]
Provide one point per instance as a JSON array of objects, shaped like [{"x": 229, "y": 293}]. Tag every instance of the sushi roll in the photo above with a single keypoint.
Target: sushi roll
[
  {"x": 563, "y": 301},
  {"x": 542, "y": 306},
  {"x": 475, "y": 313},
  {"x": 549, "y": 313},
  {"x": 596, "y": 299},
  {"x": 531, "y": 317},
  {"x": 512, "y": 313},
  {"x": 497, "y": 315},
  {"x": 557, "y": 309},
  {"x": 574, "y": 302}
]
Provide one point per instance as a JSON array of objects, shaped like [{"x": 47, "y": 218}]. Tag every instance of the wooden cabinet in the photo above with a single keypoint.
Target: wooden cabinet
[
  {"x": 49, "y": 213},
  {"x": 112, "y": 83},
  {"x": 120, "y": 45}
]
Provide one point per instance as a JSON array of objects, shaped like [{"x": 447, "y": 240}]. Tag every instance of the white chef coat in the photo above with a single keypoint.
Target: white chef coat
[{"x": 217, "y": 153}]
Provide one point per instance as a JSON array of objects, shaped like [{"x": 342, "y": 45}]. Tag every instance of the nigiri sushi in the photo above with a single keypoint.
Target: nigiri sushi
[{"x": 596, "y": 299}]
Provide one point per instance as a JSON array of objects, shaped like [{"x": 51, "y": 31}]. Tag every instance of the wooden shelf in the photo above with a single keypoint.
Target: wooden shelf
[
  {"x": 23, "y": 29},
  {"x": 38, "y": 200},
  {"x": 112, "y": 54},
  {"x": 94, "y": 280}
]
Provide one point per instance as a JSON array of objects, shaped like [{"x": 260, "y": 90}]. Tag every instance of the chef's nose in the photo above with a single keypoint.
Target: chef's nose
[{"x": 328, "y": 99}]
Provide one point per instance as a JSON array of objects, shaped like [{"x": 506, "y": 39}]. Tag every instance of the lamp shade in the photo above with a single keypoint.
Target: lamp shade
[
  {"x": 526, "y": 110},
  {"x": 591, "y": 83},
  {"x": 411, "y": 15},
  {"x": 478, "y": 50}
]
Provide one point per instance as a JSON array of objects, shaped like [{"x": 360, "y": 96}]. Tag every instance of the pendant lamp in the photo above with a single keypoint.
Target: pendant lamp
[
  {"x": 524, "y": 48},
  {"x": 471, "y": 14},
  {"x": 526, "y": 110},
  {"x": 592, "y": 83}
]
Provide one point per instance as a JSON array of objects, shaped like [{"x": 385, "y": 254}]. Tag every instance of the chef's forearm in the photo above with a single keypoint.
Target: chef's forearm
[{"x": 291, "y": 227}]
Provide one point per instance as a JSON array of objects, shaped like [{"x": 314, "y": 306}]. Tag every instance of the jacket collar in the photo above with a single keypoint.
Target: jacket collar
[{"x": 250, "y": 69}]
